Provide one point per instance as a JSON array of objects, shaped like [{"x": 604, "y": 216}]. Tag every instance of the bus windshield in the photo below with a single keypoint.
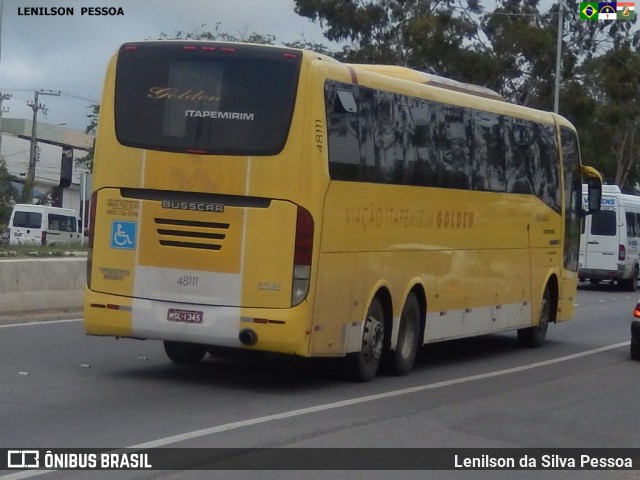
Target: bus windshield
[{"x": 186, "y": 98}]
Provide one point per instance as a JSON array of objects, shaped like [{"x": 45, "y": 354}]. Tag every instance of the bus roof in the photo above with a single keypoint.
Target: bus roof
[{"x": 406, "y": 73}]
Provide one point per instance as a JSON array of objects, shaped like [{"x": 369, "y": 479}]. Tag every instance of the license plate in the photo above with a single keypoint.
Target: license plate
[{"x": 185, "y": 316}]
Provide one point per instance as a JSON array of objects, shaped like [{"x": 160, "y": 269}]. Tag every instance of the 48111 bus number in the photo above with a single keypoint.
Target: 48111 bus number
[{"x": 188, "y": 281}]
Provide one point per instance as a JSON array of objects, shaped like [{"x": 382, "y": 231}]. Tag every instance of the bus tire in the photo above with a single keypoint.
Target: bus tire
[
  {"x": 365, "y": 363},
  {"x": 404, "y": 355},
  {"x": 184, "y": 353},
  {"x": 635, "y": 340},
  {"x": 533, "y": 337}
]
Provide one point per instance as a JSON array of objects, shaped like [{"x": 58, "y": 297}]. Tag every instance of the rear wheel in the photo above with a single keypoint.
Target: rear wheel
[
  {"x": 364, "y": 364},
  {"x": 404, "y": 356},
  {"x": 186, "y": 353},
  {"x": 632, "y": 283},
  {"x": 534, "y": 337}
]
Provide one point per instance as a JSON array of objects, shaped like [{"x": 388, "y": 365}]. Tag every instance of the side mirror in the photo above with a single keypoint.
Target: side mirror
[{"x": 594, "y": 190}]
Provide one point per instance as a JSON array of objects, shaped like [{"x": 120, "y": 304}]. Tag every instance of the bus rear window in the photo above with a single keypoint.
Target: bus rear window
[{"x": 205, "y": 98}]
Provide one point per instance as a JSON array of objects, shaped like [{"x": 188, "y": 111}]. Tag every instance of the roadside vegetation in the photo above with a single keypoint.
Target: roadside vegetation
[{"x": 36, "y": 251}]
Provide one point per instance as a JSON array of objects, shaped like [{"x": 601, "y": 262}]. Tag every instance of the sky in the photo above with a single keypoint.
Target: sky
[{"x": 70, "y": 53}]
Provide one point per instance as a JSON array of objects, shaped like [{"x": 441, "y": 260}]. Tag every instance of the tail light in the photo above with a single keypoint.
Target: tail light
[
  {"x": 43, "y": 239},
  {"x": 302, "y": 257},
  {"x": 622, "y": 253},
  {"x": 636, "y": 311}
]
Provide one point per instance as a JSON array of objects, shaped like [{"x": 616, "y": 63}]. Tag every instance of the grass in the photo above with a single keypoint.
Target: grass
[{"x": 35, "y": 251}]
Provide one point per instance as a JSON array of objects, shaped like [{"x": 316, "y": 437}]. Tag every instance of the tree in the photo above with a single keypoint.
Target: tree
[
  {"x": 615, "y": 83},
  {"x": 434, "y": 36},
  {"x": 8, "y": 193},
  {"x": 522, "y": 42},
  {"x": 86, "y": 162},
  {"x": 217, "y": 34}
]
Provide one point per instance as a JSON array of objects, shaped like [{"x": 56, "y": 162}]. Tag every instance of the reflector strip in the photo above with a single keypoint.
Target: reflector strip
[{"x": 111, "y": 306}]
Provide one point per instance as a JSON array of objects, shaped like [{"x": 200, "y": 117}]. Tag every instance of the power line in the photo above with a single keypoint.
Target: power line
[{"x": 63, "y": 93}]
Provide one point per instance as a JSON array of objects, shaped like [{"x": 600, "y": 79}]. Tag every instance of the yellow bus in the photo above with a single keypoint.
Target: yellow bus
[{"x": 274, "y": 199}]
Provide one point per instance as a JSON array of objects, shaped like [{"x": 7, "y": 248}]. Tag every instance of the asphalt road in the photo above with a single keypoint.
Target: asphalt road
[{"x": 60, "y": 388}]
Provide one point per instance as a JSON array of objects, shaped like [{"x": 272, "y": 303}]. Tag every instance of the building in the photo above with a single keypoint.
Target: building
[{"x": 59, "y": 181}]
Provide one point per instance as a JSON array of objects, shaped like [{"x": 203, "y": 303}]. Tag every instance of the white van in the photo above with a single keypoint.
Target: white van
[
  {"x": 609, "y": 241},
  {"x": 41, "y": 225}
]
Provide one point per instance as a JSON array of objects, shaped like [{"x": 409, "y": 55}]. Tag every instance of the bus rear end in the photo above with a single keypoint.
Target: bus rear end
[{"x": 190, "y": 241}]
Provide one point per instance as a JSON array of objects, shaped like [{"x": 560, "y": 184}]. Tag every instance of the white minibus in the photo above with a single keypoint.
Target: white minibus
[
  {"x": 43, "y": 225},
  {"x": 609, "y": 241}
]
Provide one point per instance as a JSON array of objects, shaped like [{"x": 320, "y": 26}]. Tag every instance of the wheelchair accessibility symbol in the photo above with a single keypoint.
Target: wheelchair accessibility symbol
[{"x": 123, "y": 235}]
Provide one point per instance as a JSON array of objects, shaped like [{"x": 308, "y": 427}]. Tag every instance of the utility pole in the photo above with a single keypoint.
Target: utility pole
[
  {"x": 27, "y": 192},
  {"x": 3, "y": 97},
  {"x": 556, "y": 96}
]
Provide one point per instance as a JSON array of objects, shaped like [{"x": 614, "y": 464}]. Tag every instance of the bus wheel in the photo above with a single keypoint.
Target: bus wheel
[
  {"x": 187, "y": 353},
  {"x": 533, "y": 337},
  {"x": 365, "y": 363},
  {"x": 404, "y": 356}
]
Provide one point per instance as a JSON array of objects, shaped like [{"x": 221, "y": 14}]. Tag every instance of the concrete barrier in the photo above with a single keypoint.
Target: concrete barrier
[{"x": 32, "y": 285}]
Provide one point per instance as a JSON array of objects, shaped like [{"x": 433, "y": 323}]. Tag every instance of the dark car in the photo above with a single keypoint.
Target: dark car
[{"x": 635, "y": 334}]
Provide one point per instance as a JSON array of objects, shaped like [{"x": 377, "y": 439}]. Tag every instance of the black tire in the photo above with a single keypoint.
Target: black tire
[
  {"x": 404, "y": 355},
  {"x": 533, "y": 337},
  {"x": 632, "y": 283},
  {"x": 364, "y": 364},
  {"x": 184, "y": 353},
  {"x": 635, "y": 340}
]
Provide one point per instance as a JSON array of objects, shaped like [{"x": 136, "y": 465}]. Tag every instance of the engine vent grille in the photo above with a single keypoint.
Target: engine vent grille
[{"x": 191, "y": 234}]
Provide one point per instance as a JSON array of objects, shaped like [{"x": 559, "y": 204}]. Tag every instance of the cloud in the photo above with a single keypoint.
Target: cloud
[{"x": 70, "y": 52}]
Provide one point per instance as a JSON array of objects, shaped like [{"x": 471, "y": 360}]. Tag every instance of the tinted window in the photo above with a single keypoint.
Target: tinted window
[
  {"x": 572, "y": 190},
  {"x": 27, "y": 219},
  {"x": 62, "y": 223},
  {"x": 489, "y": 158},
  {"x": 384, "y": 137},
  {"x": 631, "y": 224},
  {"x": 604, "y": 223},
  {"x": 205, "y": 97}
]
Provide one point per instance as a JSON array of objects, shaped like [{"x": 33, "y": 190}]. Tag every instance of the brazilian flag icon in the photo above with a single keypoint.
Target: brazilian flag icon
[{"x": 588, "y": 10}]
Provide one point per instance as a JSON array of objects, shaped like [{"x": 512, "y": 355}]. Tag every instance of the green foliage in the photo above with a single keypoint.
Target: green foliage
[
  {"x": 218, "y": 35},
  {"x": 38, "y": 251},
  {"x": 614, "y": 79},
  {"x": 86, "y": 162},
  {"x": 7, "y": 193}
]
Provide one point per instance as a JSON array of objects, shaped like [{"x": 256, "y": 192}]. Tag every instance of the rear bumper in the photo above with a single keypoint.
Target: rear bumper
[
  {"x": 596, "y": 274},
  {"x": 277, "y": 330}
]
